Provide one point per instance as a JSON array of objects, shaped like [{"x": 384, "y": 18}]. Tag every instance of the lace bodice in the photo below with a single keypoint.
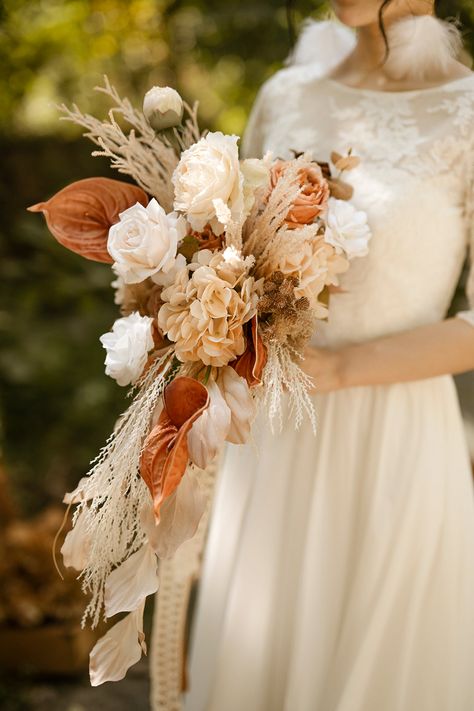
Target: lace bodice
[{"x": 415, "y": 180}]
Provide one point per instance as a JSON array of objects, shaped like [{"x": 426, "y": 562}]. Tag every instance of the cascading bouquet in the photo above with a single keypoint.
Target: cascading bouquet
[{"x": 222, "y": 269}]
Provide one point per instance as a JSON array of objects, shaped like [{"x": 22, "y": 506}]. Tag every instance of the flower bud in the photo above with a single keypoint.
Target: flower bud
[{"x": 163, "y": 107}]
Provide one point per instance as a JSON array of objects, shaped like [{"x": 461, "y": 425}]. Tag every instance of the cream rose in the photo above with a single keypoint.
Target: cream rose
[
  {"x": 208, "y": 183},
  {"x": 347, "y": 228},
  {"x": 144, "y": 241},
  {"x": 127, "y": 347}
]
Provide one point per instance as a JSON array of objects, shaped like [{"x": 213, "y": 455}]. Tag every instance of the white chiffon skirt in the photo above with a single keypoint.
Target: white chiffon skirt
[{"x": 338, "y": 573}]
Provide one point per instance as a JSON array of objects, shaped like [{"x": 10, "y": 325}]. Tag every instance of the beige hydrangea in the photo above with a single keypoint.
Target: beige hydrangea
[{"x": 206, "y": 307}]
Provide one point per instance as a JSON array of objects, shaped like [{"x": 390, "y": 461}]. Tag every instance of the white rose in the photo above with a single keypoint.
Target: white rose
[
  {"x": 163, "y": 107},
  {"x": 208, "y": 183},
  {"x": 144, "y": 241},
  {"x": 347, "y": 228},
  {"x": 127, "y": 346}
]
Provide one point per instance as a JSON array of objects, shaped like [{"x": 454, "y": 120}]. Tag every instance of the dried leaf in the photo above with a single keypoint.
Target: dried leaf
[
  {"x": 251, "y": 363},
  {"x": 75, "y": 548},
  {"x": 179, "y": 518},
  {"x": 339, "y": 189},
  {"x": 79, "y": 216},
  {"x": 128, "y": 585},
  {"x": 348, "y": 163},
  {"x": 165, "y": 452},
  {"x": 188, "y": 247},
  {"x": 119, "y": 649}
]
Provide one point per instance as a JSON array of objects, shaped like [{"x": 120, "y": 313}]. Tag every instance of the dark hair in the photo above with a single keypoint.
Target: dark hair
[{"x": 290, "y": 10}]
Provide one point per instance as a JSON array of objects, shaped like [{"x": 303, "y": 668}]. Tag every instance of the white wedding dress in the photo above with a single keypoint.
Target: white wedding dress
[{"x": 338, "y": 573}]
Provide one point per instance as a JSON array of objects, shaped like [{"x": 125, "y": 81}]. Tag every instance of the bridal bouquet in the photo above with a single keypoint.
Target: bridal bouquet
[{"x": 222, "y": 268}]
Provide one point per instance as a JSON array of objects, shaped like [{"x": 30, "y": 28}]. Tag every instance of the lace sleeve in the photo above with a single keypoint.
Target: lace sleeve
[{"x": 468, "y": 314}]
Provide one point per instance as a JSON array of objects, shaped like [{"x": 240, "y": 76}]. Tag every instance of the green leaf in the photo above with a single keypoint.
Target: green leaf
[{"x": 189, "y": 245}]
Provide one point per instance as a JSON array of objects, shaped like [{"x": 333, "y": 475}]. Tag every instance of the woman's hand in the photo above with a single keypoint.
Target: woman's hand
[
  {"x": 445, "y": 347},
  {"x": 325, "y": 367}
]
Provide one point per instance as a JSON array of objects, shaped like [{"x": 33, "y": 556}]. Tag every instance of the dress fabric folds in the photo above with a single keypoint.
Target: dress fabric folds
[{"x": 338, "y": 573}]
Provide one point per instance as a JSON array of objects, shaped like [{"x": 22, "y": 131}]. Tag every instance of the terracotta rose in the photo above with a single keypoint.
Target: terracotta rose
[{"x": 313, "y": 198}]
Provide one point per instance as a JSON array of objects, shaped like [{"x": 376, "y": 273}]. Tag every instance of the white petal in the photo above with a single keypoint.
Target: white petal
[
  {"x": 223, "y": 213},
  {"x": 238, "y": 397},
  {"x": 117, "y": 650},
  {"x": 128, "y": 585},
  {"x": 75, "y": 548},
  {"x": 179, "y": 517},
  {"x": 210, "y": 430}
]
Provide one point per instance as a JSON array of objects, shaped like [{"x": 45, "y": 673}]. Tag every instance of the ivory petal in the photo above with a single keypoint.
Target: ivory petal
[
  {"x": 128, "y": 585},
  {"x": 238, "y": 397},
  {"x": 210, "y": 430},
  {"x": 118, "y": 650},
  {"x": 75, "y": 548},
  {"x": 180, "y": 516}
]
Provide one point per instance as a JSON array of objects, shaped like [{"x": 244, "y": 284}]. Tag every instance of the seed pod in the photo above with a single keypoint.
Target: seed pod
[{"x": 163, "y": 108}]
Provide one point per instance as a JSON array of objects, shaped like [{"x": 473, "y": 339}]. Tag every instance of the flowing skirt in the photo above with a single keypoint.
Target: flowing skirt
[{"x": 338, "y": 573}]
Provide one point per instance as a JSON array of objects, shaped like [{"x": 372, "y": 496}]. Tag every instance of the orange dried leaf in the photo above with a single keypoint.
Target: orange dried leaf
[
  {"x": 79, "y": 216},
  {"x": 251, "y": 363},
  {"x": 165, "y": 452}
]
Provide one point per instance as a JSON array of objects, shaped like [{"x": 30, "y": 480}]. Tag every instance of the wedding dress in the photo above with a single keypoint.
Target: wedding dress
[{"x": 338, "y": 573}]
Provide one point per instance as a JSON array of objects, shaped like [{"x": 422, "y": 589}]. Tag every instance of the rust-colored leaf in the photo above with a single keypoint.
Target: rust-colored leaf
[
  {"x": 251, "y": 363},
  {"x": 79, "y": 216},
  {"x": 165, "y": 452}
]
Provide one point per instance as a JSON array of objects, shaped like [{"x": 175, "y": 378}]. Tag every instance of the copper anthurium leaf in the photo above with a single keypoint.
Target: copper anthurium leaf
[
  {"x": 251, "y": 363},
  {"x": 165, "y": 452},
  {"x": 79, "y": 216}
]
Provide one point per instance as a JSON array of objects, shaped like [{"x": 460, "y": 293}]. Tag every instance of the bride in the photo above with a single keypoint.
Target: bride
[{"x": 338, "y": 573}]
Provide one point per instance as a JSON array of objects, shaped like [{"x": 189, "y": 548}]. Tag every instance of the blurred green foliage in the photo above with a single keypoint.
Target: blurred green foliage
[{"x": 57, "y": 406}]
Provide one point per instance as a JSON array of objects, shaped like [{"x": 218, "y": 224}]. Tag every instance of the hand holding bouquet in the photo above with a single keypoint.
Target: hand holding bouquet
[{"x": 222, "y": 269}]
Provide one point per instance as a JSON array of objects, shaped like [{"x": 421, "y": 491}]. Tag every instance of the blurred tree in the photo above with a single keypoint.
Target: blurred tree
[{"x": 57, "y": 406}]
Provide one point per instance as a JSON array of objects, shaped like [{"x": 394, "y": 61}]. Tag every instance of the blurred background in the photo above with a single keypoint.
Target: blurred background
[{"x": 56, "y": 405}]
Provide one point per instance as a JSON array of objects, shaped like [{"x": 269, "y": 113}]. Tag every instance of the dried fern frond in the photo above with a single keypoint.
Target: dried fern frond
[
  {"x": 148, "y": 158},
  {"x": 113, "y": 493},
  {"x": 281, "y": 374}
]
